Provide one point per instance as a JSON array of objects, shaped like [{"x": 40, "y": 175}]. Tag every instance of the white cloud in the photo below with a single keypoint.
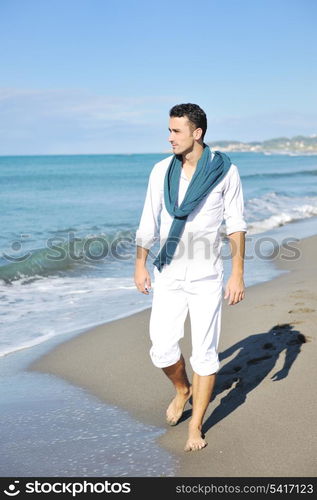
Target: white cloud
[
  {"x": 76, "y": 103},
  {"x": 40, "y": 121}
]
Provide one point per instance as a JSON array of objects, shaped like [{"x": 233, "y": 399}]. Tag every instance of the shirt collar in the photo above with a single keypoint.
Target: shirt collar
[{"x": 183, "y": 175}]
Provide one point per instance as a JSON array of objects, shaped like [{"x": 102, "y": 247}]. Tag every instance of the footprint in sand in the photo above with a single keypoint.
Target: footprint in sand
[
  {"x": 303, "y": 294},
  {"x": 265, "y": 305},
  {"x": 301, "y": 310},
  {"x": 298, "y": 294}
]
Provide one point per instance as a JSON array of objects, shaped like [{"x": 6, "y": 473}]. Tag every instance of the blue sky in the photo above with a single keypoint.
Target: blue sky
[{"x": 99, "y": 76}]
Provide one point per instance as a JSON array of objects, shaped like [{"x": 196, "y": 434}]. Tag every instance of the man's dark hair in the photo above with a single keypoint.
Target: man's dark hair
[{"x": 194, "y": 114}]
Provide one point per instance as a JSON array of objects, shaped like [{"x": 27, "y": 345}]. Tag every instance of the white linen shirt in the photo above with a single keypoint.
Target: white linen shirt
[{"x": 198, "y": 252}]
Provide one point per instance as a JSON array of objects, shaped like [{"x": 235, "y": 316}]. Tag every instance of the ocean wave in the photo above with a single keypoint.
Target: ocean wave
[
  {"x": 278, "y": 175},
  {"x": 60, "y": 305},
  {"x": 274, "y": 210},
  {"x": 78, "y": 251}
]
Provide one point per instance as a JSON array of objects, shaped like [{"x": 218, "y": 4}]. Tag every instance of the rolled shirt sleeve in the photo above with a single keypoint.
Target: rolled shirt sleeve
[
  {"x": 148, "y": 231},
  {"x": 234, "y": 203}
]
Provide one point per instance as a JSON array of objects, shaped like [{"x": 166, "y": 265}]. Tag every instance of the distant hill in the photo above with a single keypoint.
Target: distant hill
[{"x": 297, "y": 144}]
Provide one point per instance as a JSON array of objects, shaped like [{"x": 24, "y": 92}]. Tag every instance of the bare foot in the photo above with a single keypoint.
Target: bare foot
[
  {"x": 176, "y": 407},
  {"x": 195, "y": 439}
]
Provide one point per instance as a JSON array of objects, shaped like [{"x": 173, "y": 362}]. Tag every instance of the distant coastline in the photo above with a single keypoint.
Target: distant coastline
[{"x": 299, "y": 144}]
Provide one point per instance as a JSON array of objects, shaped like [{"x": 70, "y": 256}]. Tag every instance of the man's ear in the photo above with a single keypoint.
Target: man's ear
[{"x": 198, "y": 133}]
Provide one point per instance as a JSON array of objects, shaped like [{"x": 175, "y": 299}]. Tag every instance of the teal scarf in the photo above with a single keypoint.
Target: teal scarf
[{"x": 207, "y": 175}]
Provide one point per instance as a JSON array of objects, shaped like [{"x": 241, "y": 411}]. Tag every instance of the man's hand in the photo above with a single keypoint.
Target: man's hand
[
  {"x": 234, "y": 289},
  {"x": 142, "y": 279}
]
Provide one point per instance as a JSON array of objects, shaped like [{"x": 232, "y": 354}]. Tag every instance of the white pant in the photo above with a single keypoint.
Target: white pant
[{"x": 172, "y": 299}]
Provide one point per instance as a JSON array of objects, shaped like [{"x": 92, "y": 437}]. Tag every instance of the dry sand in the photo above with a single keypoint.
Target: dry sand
[{"x": 257, "y": 424}]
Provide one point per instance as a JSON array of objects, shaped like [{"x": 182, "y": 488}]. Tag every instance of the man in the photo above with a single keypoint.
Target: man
[{"x": 188, "y": 196}]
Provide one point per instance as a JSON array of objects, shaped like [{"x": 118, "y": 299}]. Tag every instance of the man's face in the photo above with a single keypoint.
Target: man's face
[{"x": 181, "y": 135}]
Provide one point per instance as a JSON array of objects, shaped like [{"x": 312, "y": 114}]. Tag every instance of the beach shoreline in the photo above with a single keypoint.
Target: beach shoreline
[{"x": 248, "y": 422}]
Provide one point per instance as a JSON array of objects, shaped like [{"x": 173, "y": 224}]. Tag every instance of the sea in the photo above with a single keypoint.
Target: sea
[
  {"x": 67, "y": 243},
  {"x": 67, "y": 251}
]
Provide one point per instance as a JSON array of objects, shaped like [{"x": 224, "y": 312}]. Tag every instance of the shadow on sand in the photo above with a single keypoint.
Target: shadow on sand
[{"x": 255, "y": 357}]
